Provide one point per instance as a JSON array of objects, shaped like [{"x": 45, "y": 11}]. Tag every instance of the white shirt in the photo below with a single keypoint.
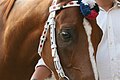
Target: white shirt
[{"x": 108, "y": 53}]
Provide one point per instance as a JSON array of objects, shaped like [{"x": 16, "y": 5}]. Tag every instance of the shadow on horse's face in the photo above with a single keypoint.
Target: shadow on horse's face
[{"x": 72, "y": 45}]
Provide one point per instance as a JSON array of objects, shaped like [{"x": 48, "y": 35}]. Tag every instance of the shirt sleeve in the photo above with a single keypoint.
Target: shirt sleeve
[{"x": 40, "y": 63}]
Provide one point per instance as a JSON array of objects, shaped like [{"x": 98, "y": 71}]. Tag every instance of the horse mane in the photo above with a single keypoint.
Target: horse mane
[
  {"x": 6, "y": 7},
  {"x": 39, "y": 15}
]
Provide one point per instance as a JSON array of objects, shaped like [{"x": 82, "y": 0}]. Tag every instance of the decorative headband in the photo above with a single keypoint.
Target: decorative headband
[{"x": 89, "y": 8}]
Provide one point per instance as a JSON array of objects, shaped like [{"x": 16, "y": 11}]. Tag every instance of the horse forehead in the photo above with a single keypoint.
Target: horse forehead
[{"x": 70, "y": 14}]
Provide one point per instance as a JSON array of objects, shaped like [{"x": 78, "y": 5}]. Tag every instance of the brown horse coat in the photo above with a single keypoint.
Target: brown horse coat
[
  {"x": 20, "y": 29},
  {"x": 21, "y": 24}
]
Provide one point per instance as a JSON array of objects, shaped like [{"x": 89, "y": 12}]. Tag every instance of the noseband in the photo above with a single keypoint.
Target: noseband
[{"x": 50, "y": 23}]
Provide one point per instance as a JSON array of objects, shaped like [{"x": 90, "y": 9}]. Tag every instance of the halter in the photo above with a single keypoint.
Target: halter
[{"x": 50, "y": 23}]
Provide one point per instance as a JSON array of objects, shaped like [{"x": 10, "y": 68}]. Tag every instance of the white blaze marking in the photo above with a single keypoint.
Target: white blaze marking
[{"x": 88, "y": 30}]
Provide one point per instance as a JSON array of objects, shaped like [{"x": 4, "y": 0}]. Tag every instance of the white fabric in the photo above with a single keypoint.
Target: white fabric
[
  {"x": 108, "y": 54},
  {"x": 40, "y": 63},
  {"x": 88, "y": 29}
]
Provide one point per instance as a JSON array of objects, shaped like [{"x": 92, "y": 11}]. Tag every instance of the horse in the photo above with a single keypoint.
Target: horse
[{"x": 21, "y": 25}]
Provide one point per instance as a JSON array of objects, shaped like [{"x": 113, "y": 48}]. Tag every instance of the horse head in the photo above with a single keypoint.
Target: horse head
[{"x": 75, "y": 39}]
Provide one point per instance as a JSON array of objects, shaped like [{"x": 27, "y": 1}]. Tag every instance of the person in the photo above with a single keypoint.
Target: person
[{"x": 108, "y": 52}]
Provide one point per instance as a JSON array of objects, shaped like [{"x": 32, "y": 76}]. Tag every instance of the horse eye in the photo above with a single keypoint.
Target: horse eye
[{"x": 65, "y": 36}]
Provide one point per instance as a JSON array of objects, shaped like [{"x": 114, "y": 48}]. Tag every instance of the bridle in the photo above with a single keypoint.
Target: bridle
[{"x": 51, "y": 24}]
